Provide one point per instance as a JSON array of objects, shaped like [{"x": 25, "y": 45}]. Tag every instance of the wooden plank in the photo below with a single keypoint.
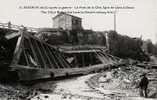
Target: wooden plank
[
  {"x": 34, "y": 54},
  {"x": 28, "y": 64},
  {"x": 56, "y": 56},
  {"x": 43, "y": 61},
  {"x": 52, "y": 57},
  {"x": 53, "y": 63},
  {"x": 47, "y": 56},
  {"x": 18, "y": 48},
  {"x": 62, "y": 59}
]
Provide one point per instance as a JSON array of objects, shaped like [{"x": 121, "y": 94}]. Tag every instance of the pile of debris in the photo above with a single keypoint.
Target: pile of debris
[
  {"x": 123, "y": 82},
  {"x": 16, "y": 92},
  {"x": 130, "y": 77},
  {"x": 129, "y": 74}
]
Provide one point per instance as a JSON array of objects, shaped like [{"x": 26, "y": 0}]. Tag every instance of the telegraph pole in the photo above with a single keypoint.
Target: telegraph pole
[{"x": 115, "y": 21}]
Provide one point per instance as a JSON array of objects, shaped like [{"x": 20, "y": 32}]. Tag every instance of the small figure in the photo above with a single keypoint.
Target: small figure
[
  {"x": 143, "y": 86},
  {"x": 9, "y": 24}
]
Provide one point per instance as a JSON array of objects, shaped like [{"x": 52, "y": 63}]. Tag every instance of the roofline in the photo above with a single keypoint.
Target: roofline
[{"x": 65, "y": 14}]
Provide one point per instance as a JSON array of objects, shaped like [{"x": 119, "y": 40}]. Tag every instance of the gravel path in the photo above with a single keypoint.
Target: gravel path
[
  {"x": 98, "y": 86},
  {"x": 72, "y": 89}
]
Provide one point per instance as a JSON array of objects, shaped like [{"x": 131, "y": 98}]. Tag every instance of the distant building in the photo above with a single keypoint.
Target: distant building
[{"x": 67, "y": 22}]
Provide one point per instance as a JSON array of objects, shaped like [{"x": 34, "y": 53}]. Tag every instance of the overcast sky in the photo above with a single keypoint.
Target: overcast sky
[{"x": 140, "y": 21}]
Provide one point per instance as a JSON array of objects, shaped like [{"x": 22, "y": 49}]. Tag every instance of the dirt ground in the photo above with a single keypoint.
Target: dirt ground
[{"x": 117, "y": 84}]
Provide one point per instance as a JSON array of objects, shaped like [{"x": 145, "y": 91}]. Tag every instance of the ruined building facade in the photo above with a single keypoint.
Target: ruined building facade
[{"x": 67, "y": 22}]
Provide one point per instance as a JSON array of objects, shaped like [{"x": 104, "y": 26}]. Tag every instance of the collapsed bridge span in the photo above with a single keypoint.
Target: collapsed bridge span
[{"x": 30, "y": 58}]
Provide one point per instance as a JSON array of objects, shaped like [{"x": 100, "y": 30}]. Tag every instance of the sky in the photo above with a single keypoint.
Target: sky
[{"x": 139, "y": 21}]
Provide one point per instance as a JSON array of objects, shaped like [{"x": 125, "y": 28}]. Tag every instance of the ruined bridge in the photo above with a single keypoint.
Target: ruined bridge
[{"x": 30, "y": 58}]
